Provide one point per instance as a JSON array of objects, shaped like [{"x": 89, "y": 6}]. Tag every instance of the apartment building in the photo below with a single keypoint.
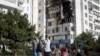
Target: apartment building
[
  {"x": 83, "y": 17},
  {"x": 59, "y": 19},
  {"x": 90, "y": 15},
  {"x": 34, "y": 9},
  {"x": 10, "y": 4},
  {"x": 24, "y": 6},
  {"x": 41, "y": 18},
  {"x": 36, "y": 13}
]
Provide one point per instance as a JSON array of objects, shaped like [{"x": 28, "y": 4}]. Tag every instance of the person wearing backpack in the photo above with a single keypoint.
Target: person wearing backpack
[
  {"x": 40, "y": 47},
  {"x": 35, "y": 43}
]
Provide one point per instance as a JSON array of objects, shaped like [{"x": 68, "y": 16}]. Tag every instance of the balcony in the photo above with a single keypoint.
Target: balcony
[
  {"x": 54, "y": 9},
  {"x": 53, "y": 3},
  {"x": 11, "y": 1},
  {"x": 21, "y": 1},
  {"x": 96, "y": 1},
  {"x": 60, "y": 25},
  {"x": 66, "y": 29},
  {"x": 8, "y": 3},
  {"x": 61, "y": 33},
  {"x": 68, "y": 24}
]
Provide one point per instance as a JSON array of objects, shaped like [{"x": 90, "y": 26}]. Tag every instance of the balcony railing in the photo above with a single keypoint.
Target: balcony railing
[
  {"x": 96, "y": 1},
  {"x": 12, "y": 1}
]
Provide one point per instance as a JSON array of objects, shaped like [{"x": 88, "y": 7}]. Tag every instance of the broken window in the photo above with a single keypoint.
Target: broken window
[{"x": 67, "y": 9}]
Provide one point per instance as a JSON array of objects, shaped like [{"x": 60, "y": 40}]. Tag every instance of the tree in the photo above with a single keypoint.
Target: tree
[
  {"x": 98, "y": 41},
  {"x": 38, "y": 35},
  {"x": 15, "y": 30},
  {"x": 87, "y": 40},
  {"x": 97, "y": 47}
]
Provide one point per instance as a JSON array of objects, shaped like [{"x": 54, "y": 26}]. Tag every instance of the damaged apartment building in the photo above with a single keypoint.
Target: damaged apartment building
[
  {"x": 59, "y": 15},
  {"x": 66, "y": 19}
]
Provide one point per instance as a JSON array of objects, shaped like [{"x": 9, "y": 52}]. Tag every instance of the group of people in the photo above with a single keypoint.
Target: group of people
[
  {"x": 42, "y": 48},
  {"x": 64, "y": 51}
]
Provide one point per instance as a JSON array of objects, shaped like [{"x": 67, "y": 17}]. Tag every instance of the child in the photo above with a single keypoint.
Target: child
[{"x": 64, "y": 52}]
